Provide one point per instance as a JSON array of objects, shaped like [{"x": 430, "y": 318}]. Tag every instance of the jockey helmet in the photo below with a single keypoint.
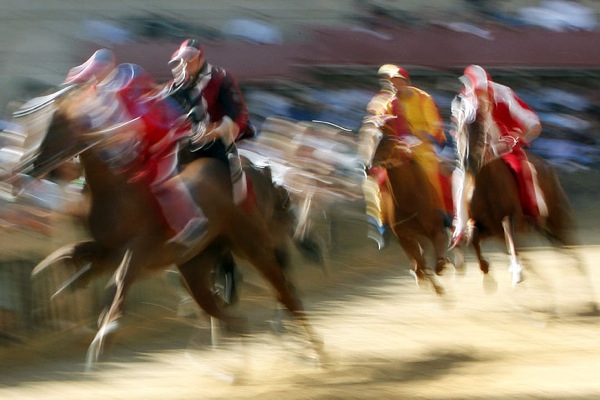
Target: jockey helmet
[
  {"x": 97, "y": 66},
  {"x": 189, "y": 50},
  {"x": 389, "y": 71},
  {"x": 475, "y": 78}
]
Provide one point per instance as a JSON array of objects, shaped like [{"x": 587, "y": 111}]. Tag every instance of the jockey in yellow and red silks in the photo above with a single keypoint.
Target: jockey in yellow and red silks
[
  {"x": 511, "y": 125},
  {"x": 417, "y": 115}
]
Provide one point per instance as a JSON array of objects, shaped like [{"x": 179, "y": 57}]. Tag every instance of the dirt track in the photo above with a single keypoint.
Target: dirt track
[{"x": 385, "y": 338}]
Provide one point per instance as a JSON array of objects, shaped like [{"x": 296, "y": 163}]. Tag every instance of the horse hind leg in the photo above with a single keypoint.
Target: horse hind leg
[
  {"x": 490, "y": 285},
  {"x": 559, "y": 228},
  {"x": 564, "y": 242},
  {"x": 593, "y": 306},
  {"x": 271, "y": 265}
]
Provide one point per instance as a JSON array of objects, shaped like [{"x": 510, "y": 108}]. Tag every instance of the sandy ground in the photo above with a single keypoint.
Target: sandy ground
[{"x": 384, "y": 338}]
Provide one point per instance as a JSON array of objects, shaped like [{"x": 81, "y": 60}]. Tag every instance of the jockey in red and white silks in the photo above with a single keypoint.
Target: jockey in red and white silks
[
  {"x": 510, "y": 125},
  {"x": 145, "y": 129}
]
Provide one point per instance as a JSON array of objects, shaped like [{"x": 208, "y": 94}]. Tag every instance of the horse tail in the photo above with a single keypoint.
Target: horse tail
[{"x": 560, "y": 225}]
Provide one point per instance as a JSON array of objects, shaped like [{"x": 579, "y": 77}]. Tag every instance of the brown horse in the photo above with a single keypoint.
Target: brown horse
[
  {"x": 129, "y": 237},
  {"x": 408, "y": 206},
  {"x": 494, "y": 204}
]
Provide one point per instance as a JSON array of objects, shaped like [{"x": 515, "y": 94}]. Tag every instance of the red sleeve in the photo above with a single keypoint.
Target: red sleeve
[{"x": 234, "y": 102}]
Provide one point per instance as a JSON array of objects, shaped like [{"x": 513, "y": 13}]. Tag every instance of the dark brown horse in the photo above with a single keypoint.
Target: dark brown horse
[
  {"x": 409, "y": 207},
  {"x": 129, "y": 237},
  {"x": 491, "y": 196}
]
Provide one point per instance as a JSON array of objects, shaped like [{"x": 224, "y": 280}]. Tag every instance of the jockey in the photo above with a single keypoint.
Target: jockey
[
  {"x": 512, "y": 125},
  {"x": 205, "y": 90},
  {"x": 143, "y": 129},
  {"x": 417, "y": 116}
]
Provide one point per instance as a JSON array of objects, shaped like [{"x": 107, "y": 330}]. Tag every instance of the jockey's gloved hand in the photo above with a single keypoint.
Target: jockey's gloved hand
[
  {"x": 196, "y": 114},
  {"x": 504, "y": 145}
]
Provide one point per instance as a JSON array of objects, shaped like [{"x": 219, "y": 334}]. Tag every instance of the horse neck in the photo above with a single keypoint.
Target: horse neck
[
  {"x": 98, "y": 176},
  {"x": 390, "y": 151},
  {"x": 478, "y": 146}
]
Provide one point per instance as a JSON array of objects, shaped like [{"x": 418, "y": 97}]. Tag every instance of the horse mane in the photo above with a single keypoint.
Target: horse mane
[{"x": 38, "y": 103}]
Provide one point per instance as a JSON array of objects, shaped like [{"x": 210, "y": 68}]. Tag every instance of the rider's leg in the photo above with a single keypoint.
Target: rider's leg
[
  {"x": 372, "y": 195},
  {"x": 181, "y": 212},
  {"x": 238, "y": 176},
  {"x": 533, "y": 204}
]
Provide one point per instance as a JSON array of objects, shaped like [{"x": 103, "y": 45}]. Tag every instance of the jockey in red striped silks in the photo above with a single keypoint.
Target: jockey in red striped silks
[{"x": 511, "y": 125}]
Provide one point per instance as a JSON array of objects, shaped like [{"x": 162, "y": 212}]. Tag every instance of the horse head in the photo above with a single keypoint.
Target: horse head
[{"x": 35, "y": 119}]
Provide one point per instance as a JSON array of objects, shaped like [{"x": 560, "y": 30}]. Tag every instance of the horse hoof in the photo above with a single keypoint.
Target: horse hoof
[
  {"x": 418, "y": 277},
  {"x": 439, "y": 290},
  {"x": 441, "y": 266},
  {"x": 484, "y": 266}
]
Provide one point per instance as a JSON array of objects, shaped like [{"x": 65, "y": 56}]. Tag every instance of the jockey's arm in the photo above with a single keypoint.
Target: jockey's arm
[
  {"x": 432, "y": 123},
  {"x": 531, "y": 126},
  {"x": 226, "y": 130},
  {"x": 232, "y": 100}
]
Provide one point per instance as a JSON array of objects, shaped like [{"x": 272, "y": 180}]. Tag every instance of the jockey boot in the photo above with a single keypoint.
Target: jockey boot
[
  {"x": 376, "y": 231},
  {"x": 240, "y": 188}
]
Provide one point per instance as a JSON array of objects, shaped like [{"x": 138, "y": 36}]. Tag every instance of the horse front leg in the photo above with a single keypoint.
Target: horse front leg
[
  {"x": 414, "y": 251},
  {"x": 108, "y": 322},
  {"x": 439, "y": 246},
  {"x": 490, "y": 285},
  {"x": 271, "y": 263},
  {"x": 516, "y": 269}
]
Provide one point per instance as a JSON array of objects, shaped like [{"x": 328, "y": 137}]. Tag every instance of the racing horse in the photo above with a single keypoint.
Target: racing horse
[
  {"x": 129, "y": 238},
  {"x": 489, "y": 196},
  {"x": 408, "y": 201}
]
